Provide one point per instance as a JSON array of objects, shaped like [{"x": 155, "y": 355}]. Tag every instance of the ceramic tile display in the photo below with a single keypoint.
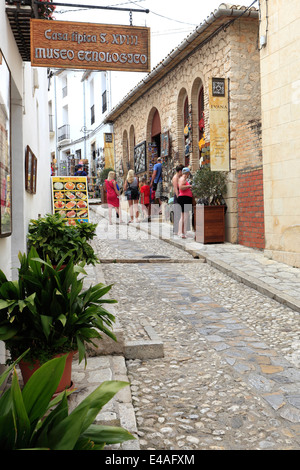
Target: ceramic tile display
[{"x": 70, "y": 198}]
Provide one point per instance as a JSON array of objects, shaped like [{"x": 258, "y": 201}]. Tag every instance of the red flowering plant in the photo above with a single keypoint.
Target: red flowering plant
[{"x": 46, "y": 11}]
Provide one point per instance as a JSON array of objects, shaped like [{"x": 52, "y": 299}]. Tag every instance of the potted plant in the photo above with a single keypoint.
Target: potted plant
[
  {"x": 51, "y": 237},
  {"x": 47, "y": 310},
  {"x": 31, "y": 419},
  {"x": 208, "y": 188}
]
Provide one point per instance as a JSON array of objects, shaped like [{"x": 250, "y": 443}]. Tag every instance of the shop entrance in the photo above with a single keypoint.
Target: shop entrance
[{"x": 154, "y": 148}]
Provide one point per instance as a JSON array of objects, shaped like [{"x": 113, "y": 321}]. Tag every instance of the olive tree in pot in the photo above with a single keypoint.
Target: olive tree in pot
[
  {"x": 47, "y": 311},
  {"x": 208, "y": 188}
]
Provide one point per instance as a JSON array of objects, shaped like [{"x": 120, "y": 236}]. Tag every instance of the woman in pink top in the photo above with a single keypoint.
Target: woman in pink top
[
  {"x": 185, "y": 200},
  {"x": 112, "y": 195}
]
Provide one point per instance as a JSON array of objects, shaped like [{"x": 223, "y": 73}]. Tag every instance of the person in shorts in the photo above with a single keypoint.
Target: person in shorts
[
  {"x": 156, "y": 181},
  {"x": 185, "y": 200}
]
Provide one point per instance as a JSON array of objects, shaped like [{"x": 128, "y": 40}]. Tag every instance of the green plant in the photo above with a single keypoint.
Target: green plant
[
  {"x": 209, "y": 186},
  {"x": 50, "y": 236},
  {"x": 104, "y": 174},
  {"x": 47, "y": 310},
  {"x": 30, "y": 419}
]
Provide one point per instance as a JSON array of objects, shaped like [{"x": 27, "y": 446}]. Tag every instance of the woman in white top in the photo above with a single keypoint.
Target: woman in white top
[{"x": 131, "y": 191}]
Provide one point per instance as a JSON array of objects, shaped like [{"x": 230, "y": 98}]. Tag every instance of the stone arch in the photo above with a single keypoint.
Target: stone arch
[
  {"x": 125, "y": 153},
  {"x": 153, "y": 132},
  {"x": 181, "y": 100},
  {"x": 152, "y": 113},
  {"x": 197, "y": 100},
  {"x": 132, "y": 144}
]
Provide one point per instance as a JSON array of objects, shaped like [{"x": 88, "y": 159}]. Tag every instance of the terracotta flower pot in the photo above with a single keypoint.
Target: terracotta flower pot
[{"x": 28, "y": 368}]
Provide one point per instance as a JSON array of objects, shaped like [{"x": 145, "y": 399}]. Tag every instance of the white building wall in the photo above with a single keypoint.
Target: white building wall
[
  {"x": 280, "y": 85},
  {"x": 29, "y": 126},
  {"x": 84, "y": 90}
]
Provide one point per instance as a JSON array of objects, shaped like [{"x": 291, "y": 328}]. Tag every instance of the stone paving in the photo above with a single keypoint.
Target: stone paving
[{"x": 230, "y": 374}]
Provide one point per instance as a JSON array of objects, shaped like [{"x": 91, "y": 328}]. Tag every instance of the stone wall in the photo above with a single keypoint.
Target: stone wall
[
  {"x": 280, "y": 83},
  {"x": 233, "y": 54}
]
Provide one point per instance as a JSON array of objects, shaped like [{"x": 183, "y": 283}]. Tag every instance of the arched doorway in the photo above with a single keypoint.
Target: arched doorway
[
  {"x": 182, "y": 116},
  {"x": 125, "y": 156},
  {"x": 153, "y": 138},
  {"x": 132, "y": 145},
  {"x": 198, "y": 126},
  {"x": 187, "y": 132},
  {"x": 156, "y": 131}
]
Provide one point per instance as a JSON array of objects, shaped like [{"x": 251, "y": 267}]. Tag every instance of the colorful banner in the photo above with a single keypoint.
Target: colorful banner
[
  {"x": 109, "y": 150},
  {"x": 70, "y": 198},
  {"x": 219, "y": 125}
]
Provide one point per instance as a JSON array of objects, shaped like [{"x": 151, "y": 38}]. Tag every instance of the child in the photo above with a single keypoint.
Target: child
[{"x": 145, "y": 199}]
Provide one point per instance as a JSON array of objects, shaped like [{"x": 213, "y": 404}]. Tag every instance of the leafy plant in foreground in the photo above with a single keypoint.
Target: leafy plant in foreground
[
  {"x": 47, "y": 310},
  {"x": 31, "y": 419}
]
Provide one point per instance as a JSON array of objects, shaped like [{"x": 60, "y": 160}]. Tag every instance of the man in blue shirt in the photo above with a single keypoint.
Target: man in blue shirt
[
  {"x": 80, "y": 171},
  {"x": 157, "y": 180}
]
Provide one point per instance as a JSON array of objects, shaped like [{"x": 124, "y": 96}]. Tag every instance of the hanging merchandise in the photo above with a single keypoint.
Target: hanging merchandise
[
  {"x": 201, "y": 123},
  {"x": 201, "y": 142}
]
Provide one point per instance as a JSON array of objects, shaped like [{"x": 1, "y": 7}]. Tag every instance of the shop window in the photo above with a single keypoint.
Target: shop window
[{"x": 5, "y": 150}]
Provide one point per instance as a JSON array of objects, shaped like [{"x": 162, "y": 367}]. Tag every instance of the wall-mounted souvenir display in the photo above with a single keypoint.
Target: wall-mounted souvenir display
[
  {"x": 140, "y": 158},
  {"x": 165, "y": 144},
  {"x": 5, "y": 156},
  {"x": 70, "y": 198}
]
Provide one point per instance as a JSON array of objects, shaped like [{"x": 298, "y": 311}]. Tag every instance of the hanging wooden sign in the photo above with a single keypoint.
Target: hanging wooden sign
[{"x": 66, "y": 44}]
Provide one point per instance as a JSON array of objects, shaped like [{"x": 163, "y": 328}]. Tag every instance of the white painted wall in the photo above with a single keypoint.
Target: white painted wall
[
  {"x": 83, "y": 91},
  {"x": 29, "y": 126}
]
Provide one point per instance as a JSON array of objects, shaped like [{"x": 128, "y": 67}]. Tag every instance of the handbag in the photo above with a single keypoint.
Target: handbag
[
  {"x": 132, "y": 193},
  {"x": 154, "y": 186}
]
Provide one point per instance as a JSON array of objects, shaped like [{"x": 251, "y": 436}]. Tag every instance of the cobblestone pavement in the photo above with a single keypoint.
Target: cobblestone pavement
[{"x": 230, "y": 375}]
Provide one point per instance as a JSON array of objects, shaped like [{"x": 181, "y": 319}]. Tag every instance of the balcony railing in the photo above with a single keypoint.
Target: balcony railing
[{"x": 63, "y": 133}]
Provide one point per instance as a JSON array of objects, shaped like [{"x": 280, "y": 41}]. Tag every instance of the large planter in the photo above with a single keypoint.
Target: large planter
[
  {"x": 28, "y": 368},
  {"x": 210, "y": 224}
]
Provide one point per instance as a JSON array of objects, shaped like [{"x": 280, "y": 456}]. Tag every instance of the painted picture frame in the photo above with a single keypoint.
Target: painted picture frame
[
  {"x": 30, "y": 171},
  {"x": 5, "y": 149}
]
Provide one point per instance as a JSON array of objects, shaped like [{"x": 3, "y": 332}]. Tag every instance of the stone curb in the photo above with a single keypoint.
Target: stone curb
[{"x": 152, "y": 260}]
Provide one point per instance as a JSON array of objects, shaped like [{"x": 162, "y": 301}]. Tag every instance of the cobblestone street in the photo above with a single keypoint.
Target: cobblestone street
[{"x": 229, "y": 378}]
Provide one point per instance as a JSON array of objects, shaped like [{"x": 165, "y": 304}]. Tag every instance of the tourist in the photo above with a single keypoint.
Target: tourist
[
  {"x": 80, "y": 171},
  {"x": 185, "y": 200},
  {"x": 145, "y": 199},
  {"x": 156, "y": 181},
  {"x": 113, "y": 194},
  {"x": 131, "y": 191},
  {"x": 176, "y": 206}
]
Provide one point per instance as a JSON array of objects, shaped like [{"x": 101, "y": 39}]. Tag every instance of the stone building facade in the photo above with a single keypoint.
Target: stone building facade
[
  {"x": 177, "y": 92},
  {"x": 280, "y": 84}
]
